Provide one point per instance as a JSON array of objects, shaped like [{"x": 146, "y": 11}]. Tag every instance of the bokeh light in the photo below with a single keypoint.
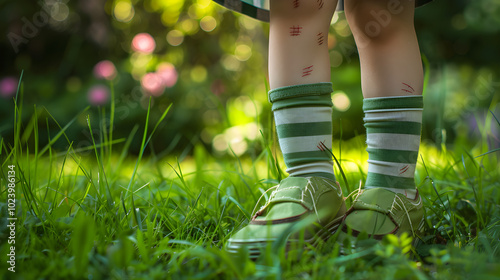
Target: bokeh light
[
  {"x": 336, "y": 59},
  {"x": 235, "y": 139},
  {"x": 98, "y": 95},
  {"x": 143, "y": 43},
  {"x": 167, "y": 73},
  {"x": 243, "y": 52},
  {"x": 231, "y": 63},
  {"x": 189, "y": 26},
  {"x": 342, "y": 28},
  {"x": 341, "y": 101},
  {"x": 199, "y": 73},
  {"x": 105, "y": 70},
  {"x": 59, "y": 11},
  {"x": 175, "y": 37},
  {"x": 171, "y": 10},
  {"x": 208, "y": 23},
  {"x": 140, "y": 60},
  {"x": 123, "y": 11},
  {"x": 8, "y": 87},
  {"x": 152, "y": 84}
]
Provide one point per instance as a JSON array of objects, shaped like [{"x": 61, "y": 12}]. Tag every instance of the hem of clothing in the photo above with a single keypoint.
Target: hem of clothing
[{"x": 259, "y": 9}]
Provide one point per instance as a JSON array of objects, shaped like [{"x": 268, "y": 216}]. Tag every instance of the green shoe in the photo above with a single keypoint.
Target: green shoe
[
  {"x": 380, "y": 212},
  {"x": 315, "y": 204}
]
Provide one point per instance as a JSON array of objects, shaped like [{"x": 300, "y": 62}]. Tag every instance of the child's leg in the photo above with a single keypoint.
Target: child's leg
[
  {"x": 298, "y": 39},
  {"x": 390, "y": 67},
  {"x": 299, "y": 74},
  {"x": 392, "y": 82},
  {"x": 388, "y": 49}
]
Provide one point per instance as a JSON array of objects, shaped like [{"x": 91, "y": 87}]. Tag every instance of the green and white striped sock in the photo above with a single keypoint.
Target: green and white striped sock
[
  {"x": 393, "y": 129},
  {"x": 303, "y": 116}
]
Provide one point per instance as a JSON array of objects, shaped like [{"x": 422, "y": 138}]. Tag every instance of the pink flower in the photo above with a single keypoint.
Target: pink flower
[
  {"x": 8, "y": 87},
  {"x": 105, "y": 70},
  {"x": 166, "y": 71},
  {"x": 152, "y": 84},
  {"x": 144, "y": 43},
  {"x": 98, "y": 95}
]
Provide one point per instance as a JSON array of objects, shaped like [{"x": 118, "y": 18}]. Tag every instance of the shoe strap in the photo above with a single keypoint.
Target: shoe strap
[
  {"x": 376, "y": 199},
  {"x": 279, "y": 221},
  {"x": 304, "y": 191}
]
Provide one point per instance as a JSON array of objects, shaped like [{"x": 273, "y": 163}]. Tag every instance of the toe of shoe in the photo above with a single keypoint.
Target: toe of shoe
[{"x": 255, "y": 237}]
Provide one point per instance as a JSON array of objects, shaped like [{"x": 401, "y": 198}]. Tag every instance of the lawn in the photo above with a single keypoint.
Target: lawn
[{"x": 101, "y": 212}]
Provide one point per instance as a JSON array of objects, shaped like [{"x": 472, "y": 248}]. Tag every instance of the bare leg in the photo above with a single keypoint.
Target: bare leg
[
  {"x": 298, "y": 42},
  {"x": 390, "y": 57}
]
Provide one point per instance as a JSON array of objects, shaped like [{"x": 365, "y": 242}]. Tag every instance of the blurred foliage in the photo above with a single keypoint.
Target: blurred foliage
[{"x": 218, "y": 87}]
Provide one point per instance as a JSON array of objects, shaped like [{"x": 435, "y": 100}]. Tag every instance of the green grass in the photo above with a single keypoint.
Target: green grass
[{"x": 111, "y": 215}]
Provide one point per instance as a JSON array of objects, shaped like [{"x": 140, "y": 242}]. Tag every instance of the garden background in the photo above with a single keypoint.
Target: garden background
[{"x": 151, "y": 116}]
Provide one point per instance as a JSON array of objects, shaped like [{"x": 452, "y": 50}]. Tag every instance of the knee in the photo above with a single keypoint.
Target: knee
[{"x": 379, "y": 20}]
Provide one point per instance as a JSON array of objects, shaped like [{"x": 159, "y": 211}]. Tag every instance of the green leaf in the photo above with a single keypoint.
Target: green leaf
[{"x": 82, "y": 241}]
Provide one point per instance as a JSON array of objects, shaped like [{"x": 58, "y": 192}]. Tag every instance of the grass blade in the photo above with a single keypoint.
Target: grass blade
[{"x": 62, "y": 130}]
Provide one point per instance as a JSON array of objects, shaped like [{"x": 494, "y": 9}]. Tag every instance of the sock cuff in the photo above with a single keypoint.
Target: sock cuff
[
  {"x": 397, "y": 102},
  {"x": 317, "y": 94}
]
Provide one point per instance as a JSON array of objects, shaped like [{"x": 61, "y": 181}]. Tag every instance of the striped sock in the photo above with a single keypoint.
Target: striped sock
[
  {"x": 393, "y": 129},
  {"x": 303, "y": 116}
]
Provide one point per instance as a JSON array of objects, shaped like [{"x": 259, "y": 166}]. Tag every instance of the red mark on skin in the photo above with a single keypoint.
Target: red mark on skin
[
  {"x": 295, "y": 30},
  {"x": 296, "y": 3},
  {"x": 320, "y": 3},
  {"x": 321, "y": 146},
  {"x": 321, "y": 38},
  {"x": 407, "y": 88},
  {"x": 404, "y": 169},
  {"x": 307, "y": 71}
]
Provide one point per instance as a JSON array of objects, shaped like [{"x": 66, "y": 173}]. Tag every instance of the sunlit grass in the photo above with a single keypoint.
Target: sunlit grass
[{"x": 102, "y": 213}]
